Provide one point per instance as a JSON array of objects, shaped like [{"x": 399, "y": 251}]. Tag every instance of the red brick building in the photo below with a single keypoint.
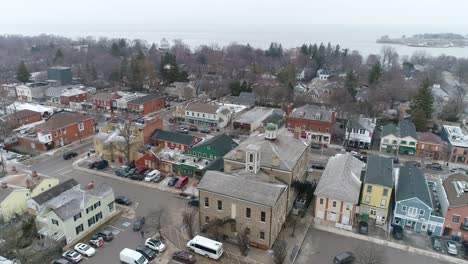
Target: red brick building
[
  {"x": 22, "y": 117},
  {"x": 63, "y": 128},
  {"x": 430, "y": 146},
  {"x": 103, "y": 101},
  {"x": 149, "y": 161},
  {"x": 146, "y": 104},
  {"x": 454, "y": 201},
  {"x": 314, "y": 122},
  {"x": 169, "y": 139},
  {"x": 73, "y": 95}
]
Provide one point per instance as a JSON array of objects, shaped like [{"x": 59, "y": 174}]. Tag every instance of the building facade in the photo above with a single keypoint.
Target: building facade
[
  {"x": 146, "y": 104},
  {"x": 431, "y": 146},
  {"x": 21, "y": 118},
  {"x": 73, "y": 95},
  {"x": 359, "y": 132},
  {"x": 207, "y": 115},
  {"x": 401, "y": 139},
  {"x": 63, "y": 75},
  {"x": 315, "y": 122},
  {"x": 172, "y": 140},
  {"x": 457, "y": 140}
]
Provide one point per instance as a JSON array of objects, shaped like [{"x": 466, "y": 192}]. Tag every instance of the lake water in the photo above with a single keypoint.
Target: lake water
[{"x": 354, "y": 37}]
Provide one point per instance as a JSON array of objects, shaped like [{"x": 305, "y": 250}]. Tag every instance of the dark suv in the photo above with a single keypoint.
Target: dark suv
[
  {"x": 344, "y": 258},
  {"x": 69, "y": 155}
]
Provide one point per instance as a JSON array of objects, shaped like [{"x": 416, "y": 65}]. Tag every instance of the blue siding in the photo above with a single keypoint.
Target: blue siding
[{"x": 430, "y": 221}]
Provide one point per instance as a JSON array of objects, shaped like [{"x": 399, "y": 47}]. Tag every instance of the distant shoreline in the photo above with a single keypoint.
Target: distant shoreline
[{"x": 438, "y": 40}]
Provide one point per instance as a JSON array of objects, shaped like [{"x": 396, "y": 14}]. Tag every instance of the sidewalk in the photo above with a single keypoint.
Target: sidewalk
[{"x": 444, "y": 258}]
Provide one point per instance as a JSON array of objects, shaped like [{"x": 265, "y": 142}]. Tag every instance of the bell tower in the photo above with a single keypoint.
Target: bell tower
[{"x": 252, "y": 158}]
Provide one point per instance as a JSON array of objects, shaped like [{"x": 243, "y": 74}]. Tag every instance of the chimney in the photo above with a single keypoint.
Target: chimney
[
  {"x": 4, "y": 185},
  {"x": 275, "y": 161}
]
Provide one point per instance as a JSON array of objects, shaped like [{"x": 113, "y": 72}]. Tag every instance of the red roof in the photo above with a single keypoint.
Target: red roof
[{"x": 427, "y": 137}]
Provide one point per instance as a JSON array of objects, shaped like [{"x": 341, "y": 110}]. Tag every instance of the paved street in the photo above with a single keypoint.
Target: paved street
[{"x": 321, "y": 247}]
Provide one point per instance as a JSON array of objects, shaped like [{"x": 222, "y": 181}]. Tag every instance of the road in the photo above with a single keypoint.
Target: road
[{"x": 321, "y": 247}]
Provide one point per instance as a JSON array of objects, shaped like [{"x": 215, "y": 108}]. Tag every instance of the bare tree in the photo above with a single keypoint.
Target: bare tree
[
  {"x": 389, "y": 57},
  {"x": 279, "y": 251},
  {"x": 129, "y": 140},
  {"x": 369, "y": 255},
  {"x": 188, "y": 219},
  {"x": 243, "y": 241},
  {"x": 155, "y": 220}
]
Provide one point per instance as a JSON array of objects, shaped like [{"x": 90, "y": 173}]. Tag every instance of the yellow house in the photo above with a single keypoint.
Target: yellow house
[
  {"x": 377, "y": 189},
  {"x": 16, "y": 190}
]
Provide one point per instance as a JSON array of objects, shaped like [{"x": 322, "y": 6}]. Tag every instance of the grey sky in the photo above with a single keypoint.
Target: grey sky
[{"x": 406, "y": 12}]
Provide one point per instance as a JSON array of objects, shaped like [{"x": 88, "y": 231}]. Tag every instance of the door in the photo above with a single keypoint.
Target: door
[
  {"x": 320, "y": 214},
  {"x": 333, "y": 217},
  {"x": 345, "y": 220},
  {"x": 233, "y": 211}
]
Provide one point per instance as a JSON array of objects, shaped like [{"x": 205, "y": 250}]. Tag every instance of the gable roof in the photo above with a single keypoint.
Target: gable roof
[
  {"x": 21, "y": 114},
  {"x": 62, "y": 119},
  {"x": 379, "y": 171},
  {"x": 407, "y": 128},
  {"x": 145, "y": 99},
  {"x": 222, "y": 143},
  {"x": 412, "y": 184},
  {"x": 175, "y": 137},
  {"x": 389, "y": 129},
  {"x": 55, "y": 191},
  {"x": 5, "y": 192},
  {"x": 241, "y": 188},
  {"x": 103, "y": 96},
  {"x": 453, "y": 197},
  {"x": 362, "y": 123},
  {"x": 202, "y": 108},
  {"x": 428, "y": 137},
  {"x": 312, "y": 112},
  {"x": 341, "y": 179}
]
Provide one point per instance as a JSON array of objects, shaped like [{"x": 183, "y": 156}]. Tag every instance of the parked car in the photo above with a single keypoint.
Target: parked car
[
  {"x": 182, "y": 182},
  {"x": 159, "y": 178},
  {"x": 85, "y": 250},
  {"x": 102, "y": 165},
  {"x": 93, "y": 165},
  {"x": 194, "y": 202},
  {"x": 193, "y": 128},
  {"x": 363, "y": 228},
  {"x": 436, "y": 243},
  {"x": 123, "y": 200},
  {"x": 396, "y": 160},
  {"x": 434, "y": 166},
  {"x": 318, "y": 166},
  {"x": 397, "y": 232},
  {"x": 184, "y": 257},
  {"x": 107, "y": 235},
  {"x": 465, "y": 249},
  {"x": 182, "y": 130},
  {"x": 137, "y": 177},
  {"x": 172, "y": 181},
  {"x": 96, "y": 241},
  {"x": 121, "y": 173},
  {"x": 414, "y": 163},
  {"x": 69, "y": 155},
  {"x": 22, "y": 158},
  {"x": 147, "y": 252},
  {"x": 72, "y": 256},
  {"x": 344, "y": 258},
  {"x": 205, "y": 130},
  {"x": 141, "y": 171},
  {"x": 155, "y": 244},
  {"x": 130, "y": 256},
  {"x": 138, "y": 223},
  {"x": 60, "y": 261},
  {"x": 152, "y": 175},
  {"x": 12, "y": 156},
  {"x": 452, "y": 248}
]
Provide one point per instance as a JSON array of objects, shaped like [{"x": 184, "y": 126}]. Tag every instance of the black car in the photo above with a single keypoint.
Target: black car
[
  {"x": 315, "y": 146},
  {"x": 93, "y": 165},
  {"x": 138, "y": 223},
  {"x": 61, "y": 261},
  {"x": 397, "y": 232},
  {"x": 69, "y": 155},
  {"x": 102, "y": 164},
  {"x": 344, "y": 258},
  {"x": 137, "y": 177},
  {"x": 194, "y": 202},
  {"x": 123, "y": 200},
  {"x": 363, "y": 228},
  {"x": 184, "y": 257},
  {"x": 172, "y": 181},
  {"x": 107, "y": 235},
  {"x": 434, "y": 166},
  {"x": 148, "y": 253},
  {"x": 317, "y": 166}
]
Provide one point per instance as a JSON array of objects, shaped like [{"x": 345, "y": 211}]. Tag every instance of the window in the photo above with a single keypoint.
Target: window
[
  {"x": 251, "y": 157},
  {"x": 367, "y": 198},
  {"x": 207, "y": 202},
  {"x": 187, "y": 113},
  {"x": 98, "y": 216},
  {"x": 78, "y": 216},
  {"x": 89, "y": 209},
  {"x": 456, "y": 218},
  {"x": 79, "y": 229},
  {"x": 422, "y": 146},
  {"x": 348, "y": 206},
  {"x": 207, "y": 219},
  {"x": 111, "y": 206},
  {"x": 262, "y": 235},
  {"x": 321, "y": 200},
  {"x": 403, "y": 142},
  {"x": 203, "y": 115},
  {"x": 403, "y": 208},
  {"x": 204, "y": 155},
  {"x": 247, "y": 212},
  {"x": 91, "y": 221},
  {"x": 96, "y": 205},
  {"x": 362, "y": 131},
  {"x": 383, "y": 202},
  {"x": 80, "y": 126},
  {"x": 220, "y": 205},
  {"x": 421, "y": 212},
  {"x": 55, "y": 222},
  {"x": 247, "y": 231},
  {"x": 385, "y": 140},
  {"x": 199, "y": 154},
  {"x": 385, "y": 192},
  {"x": 412, "y": 211},
  {"x": 334, "y": 204},
  {"x": 412, "y": 143},
  {"x": 369, "y": 188},
  {"x": 262, "y": 217}
]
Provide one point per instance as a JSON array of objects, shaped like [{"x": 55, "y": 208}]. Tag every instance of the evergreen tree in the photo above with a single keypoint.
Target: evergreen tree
[
  {"x": 23, "y": 74},
  {"x": 58, "y": 55},
  {"x": 337, "y": 51},
  {"x": 304, "y": 49},
  {"x": 275, "y": 50},
  {"x": 313, "y": 50},
  {"x": 419, "y": 120},
  {"x": 115, "y": 50},
  {"x": 153, "y": 50},
  {"x": 423, "y": 100},
  {"x": 375, "y": 73},
  {"x": 351, "y": 82}
]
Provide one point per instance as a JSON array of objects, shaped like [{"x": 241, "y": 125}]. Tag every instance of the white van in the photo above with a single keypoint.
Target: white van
[
  {"x": 130, "y": 256},
  {"x": 206, "y": 247},
  {"x": 152, "y": 175}
]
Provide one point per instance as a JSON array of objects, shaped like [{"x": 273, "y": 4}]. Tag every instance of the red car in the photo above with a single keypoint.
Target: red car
[
  {"x": 184, "y": 257},
  {"x": 181, "y": 182}
]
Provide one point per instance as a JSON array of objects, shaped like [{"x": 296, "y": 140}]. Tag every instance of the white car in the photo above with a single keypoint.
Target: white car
[
  {"x": 85, "y": 250},
  {"x": 452, "y": 248},
  {"x": 72, "y": 255},
  {"x": 152, "y": 175},
  {"x": 155, "y": 244}
]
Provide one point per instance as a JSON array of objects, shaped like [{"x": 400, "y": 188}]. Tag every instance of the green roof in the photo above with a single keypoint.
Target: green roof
[
  {"x": 222, "y": 143},
  {"x": 174, "y": 137},
  {"x": 404, "y": 129},
  {"x": 379, "y": 171}
]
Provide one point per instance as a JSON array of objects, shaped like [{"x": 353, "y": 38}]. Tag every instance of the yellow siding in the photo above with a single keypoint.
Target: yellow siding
[
  {"x": 43, "y": 186},
  {"x": 376, "y": 196},
  {"x": 14, "y": 203}
]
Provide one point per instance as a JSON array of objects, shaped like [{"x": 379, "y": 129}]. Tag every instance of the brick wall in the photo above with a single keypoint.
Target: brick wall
[
  {"x": 312, "y": 125},
  {"x": 72, "y": 133}
]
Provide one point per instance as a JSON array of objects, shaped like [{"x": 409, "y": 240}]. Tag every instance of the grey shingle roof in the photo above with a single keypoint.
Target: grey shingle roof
[
  {"x": 240, "y": 188},
  {"x": 222, "y": 143},
  {"x": 389, "y": 129},
  {"x": 379, "y": 171},
  {"x": 287, "y": 148},
  {"x": 341, "y": 179},
  {"x": 202, "y": 108},
  {"x": 312, "y": 112},
  {"x": 362, "y": 123},
  {"x": 411, "y": 184},
  {"x": 145, "y": 99},
  {"x": 407, "y": 128},
  {"x": 4, "y": 192},
  {"x": 175, "y": 137},
  {"x": 55, "y": 191}
]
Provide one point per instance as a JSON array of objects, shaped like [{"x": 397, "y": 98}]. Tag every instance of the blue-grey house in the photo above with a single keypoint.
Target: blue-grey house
[{"x": 414, "y": 203}]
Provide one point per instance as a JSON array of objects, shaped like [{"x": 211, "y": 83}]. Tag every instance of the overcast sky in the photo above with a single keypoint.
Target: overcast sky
[{"x": 192, "y": 12}]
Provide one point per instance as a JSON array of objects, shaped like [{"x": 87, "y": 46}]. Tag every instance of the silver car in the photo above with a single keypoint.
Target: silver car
[{"x": 452, "y": 248}]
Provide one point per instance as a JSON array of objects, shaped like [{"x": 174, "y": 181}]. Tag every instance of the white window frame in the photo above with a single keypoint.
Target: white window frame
[
  {"x": 404, "y": 208},
  {"x": 383, "y": 202},
  {"x": 80, "y": 126},
  {"x": 413, "y": 212},
  {"x": 422, "y": 211}
]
